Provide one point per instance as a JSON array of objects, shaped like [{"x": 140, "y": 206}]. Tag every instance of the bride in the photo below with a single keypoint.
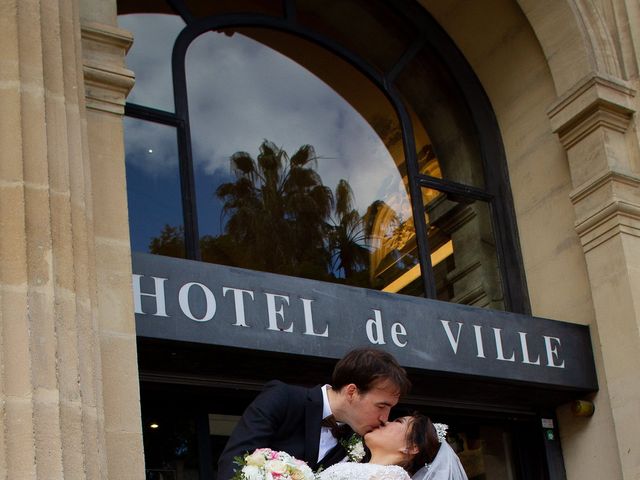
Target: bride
[{"x": 407, "y": 446}]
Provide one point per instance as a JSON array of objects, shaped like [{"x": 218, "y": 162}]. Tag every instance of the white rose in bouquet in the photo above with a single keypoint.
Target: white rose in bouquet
[
  {"x": 252, "y": 472},
  {"x": 276, "y": 466},
  {"x": 256, "y": 458}
]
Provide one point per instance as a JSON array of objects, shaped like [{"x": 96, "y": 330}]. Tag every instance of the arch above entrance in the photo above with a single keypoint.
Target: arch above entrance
[{"x": 574, "y": 38}]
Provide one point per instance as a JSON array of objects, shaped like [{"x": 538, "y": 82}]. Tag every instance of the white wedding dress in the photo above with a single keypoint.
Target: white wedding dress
[
  {"x": 363, "y": 471},
  {"x": 446, "y": 466}
]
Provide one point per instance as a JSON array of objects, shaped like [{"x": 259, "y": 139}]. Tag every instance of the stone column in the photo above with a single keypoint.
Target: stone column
[
  {"x": 107, "y": 82},
  {"x": 50, "y": 385},
  {"x": 58, "y": 364},
  {"x": 595, "y": 124}
]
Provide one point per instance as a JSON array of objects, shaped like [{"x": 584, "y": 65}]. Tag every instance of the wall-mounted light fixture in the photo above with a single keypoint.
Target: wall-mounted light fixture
[{"x": 583, "y": 408}]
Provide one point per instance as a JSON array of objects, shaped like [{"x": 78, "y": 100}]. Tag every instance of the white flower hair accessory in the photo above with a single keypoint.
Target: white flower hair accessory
[{"x": 441, "y": 430}]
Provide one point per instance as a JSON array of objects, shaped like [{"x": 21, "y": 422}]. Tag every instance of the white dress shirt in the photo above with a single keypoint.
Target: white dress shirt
[{"x": 327, "y": 440}]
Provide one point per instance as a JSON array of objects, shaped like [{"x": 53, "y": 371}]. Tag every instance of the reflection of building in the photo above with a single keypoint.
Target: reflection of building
[{"x": 537, "y": 130}]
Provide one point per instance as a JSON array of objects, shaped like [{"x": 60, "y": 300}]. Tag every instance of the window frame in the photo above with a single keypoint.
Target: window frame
[{"x": 496, "y": 192}]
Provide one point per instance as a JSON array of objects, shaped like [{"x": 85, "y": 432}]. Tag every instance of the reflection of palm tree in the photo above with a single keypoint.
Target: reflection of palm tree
[
  {"x": 277, "y": 209},
  {"x": 170, "y": 242},
  {"x": 347, "y": 237},
  {"x": 281, "y": 218}
]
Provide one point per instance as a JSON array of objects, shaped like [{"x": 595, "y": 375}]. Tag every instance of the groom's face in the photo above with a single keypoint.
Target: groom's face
[{"x": 368, "y": 411}]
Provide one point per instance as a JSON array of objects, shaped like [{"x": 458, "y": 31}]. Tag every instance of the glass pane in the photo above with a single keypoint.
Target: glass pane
[
  {"x": 484, "y": 450},
  {"x": 298, "y": 163},
  {"x": 204, "y": 8},
  {"x": 371, "y": 29},
  {"x": 445, "y": 136},
  {"x": 170, "y": 445},
  {"x": 463, "y": 250},
  {"x": 150, "y": 57},
  {"x": 153, "y": 188}
]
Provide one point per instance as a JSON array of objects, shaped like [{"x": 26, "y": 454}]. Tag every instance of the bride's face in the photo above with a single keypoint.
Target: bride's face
[{"x": 391, "y": 437}]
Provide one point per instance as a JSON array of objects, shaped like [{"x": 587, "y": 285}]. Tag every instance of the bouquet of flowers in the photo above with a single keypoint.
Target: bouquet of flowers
[{"x": 267, "y": 464}]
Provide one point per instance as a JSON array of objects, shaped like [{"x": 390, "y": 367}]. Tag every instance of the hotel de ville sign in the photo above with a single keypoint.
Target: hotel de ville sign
[{"x": 190, "y": 301}]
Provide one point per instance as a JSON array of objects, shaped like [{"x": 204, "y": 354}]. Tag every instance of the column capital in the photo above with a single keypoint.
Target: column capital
[
  {"x": 593, "y": 121},
  {"x": 594, "y": 102},
  {"x": 607, "y": 206},
  {"x": 107, "y": 80}
]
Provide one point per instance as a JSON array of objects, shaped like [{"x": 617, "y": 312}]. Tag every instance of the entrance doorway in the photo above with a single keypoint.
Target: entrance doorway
[{"x": 186, "y": 427}]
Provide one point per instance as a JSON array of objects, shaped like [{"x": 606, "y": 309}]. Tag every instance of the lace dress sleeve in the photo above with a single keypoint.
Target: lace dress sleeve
[{"x": 391, "y": 472}]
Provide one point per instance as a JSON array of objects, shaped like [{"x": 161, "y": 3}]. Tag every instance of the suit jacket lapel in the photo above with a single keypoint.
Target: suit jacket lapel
[
  {"x": 334, "y": 455},
  {"x": 313, "y": 417}
]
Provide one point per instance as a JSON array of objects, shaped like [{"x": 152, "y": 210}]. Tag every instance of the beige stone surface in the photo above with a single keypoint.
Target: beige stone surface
[
  {"x": 53, "y": 423},
  {"x": 18, "y": 425},
  {"x": 119, "y": 353},
  {"x": 104, "y": 48},
  {"x": 124, "y": 456},
  {"x": 13, "y": 240},
  {"x": 560, "y": 36},
  {"x": 614, "y": 295}
]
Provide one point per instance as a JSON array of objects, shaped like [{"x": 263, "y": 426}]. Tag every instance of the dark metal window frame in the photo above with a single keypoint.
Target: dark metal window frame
[{"x": 496, "y": 194}]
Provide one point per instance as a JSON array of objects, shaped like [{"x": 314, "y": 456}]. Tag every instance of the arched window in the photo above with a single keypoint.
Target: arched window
[{"x": 345, "y": 141}]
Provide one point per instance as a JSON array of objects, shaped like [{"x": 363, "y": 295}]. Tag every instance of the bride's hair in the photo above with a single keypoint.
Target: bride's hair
[{"x": 421, "y": 434}]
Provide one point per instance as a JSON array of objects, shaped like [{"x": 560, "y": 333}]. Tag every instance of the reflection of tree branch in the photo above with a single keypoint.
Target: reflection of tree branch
[
  {"x": 281, "y": 218},
  {"x": 170, "y": 242}
]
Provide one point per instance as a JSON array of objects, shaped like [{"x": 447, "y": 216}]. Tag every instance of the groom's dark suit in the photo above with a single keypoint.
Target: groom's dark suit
[{"x": 283, "y": 417}]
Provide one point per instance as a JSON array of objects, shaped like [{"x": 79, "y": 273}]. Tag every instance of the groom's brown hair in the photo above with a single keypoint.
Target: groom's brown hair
[{"x": 365, "y": 367}]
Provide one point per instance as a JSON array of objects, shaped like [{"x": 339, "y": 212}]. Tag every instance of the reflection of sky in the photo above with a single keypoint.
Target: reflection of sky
[
  {"x": 153, "y": 181},
  {"x": 150, "y": 57},
  {"x": 242, "y": 92}
]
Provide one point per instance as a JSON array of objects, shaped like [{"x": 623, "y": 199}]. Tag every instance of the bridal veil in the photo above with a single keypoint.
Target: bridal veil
[{"x": 446, "y": 466}]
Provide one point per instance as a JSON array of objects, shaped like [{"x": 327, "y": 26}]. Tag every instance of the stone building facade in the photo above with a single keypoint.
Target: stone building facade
[{"x": 561, "y": 77}]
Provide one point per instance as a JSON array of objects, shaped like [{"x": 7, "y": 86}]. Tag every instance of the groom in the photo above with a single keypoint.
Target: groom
[{"x": 365, "y": 384}]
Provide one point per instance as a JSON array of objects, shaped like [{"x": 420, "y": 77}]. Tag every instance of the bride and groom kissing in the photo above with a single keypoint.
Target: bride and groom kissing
[{"x": 323, "y": 425}]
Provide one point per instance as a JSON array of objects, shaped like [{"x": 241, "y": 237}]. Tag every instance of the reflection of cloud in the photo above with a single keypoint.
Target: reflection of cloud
[
  {"x": 150, "y": 57},
  {"x": 151, "y": 147},
  {"x": 242, "y": 92}
]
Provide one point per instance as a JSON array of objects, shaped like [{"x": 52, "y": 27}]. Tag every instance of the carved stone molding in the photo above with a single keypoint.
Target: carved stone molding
[
  {"x": 615, "y": 218},
  {"x": 594, "y": 103},
  {"x": 603, "y": 180},
  {"x": 107, "y": 35},
  {"x": 612, "y": 207},
  {"x": 107, "y": 80},
  {"x": 605, "y": 196}
]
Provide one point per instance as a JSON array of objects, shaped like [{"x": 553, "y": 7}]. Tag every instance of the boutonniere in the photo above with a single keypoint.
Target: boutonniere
[{"x": 354, "y": 447}]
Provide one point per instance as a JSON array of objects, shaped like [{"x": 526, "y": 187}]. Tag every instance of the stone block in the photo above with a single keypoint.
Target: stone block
[
  {"x": 19, "y": 427},
  {"x": 16, "y": 356},
  {"x": 125, "y": 459},
  {"x": 120, "y": 383}
]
